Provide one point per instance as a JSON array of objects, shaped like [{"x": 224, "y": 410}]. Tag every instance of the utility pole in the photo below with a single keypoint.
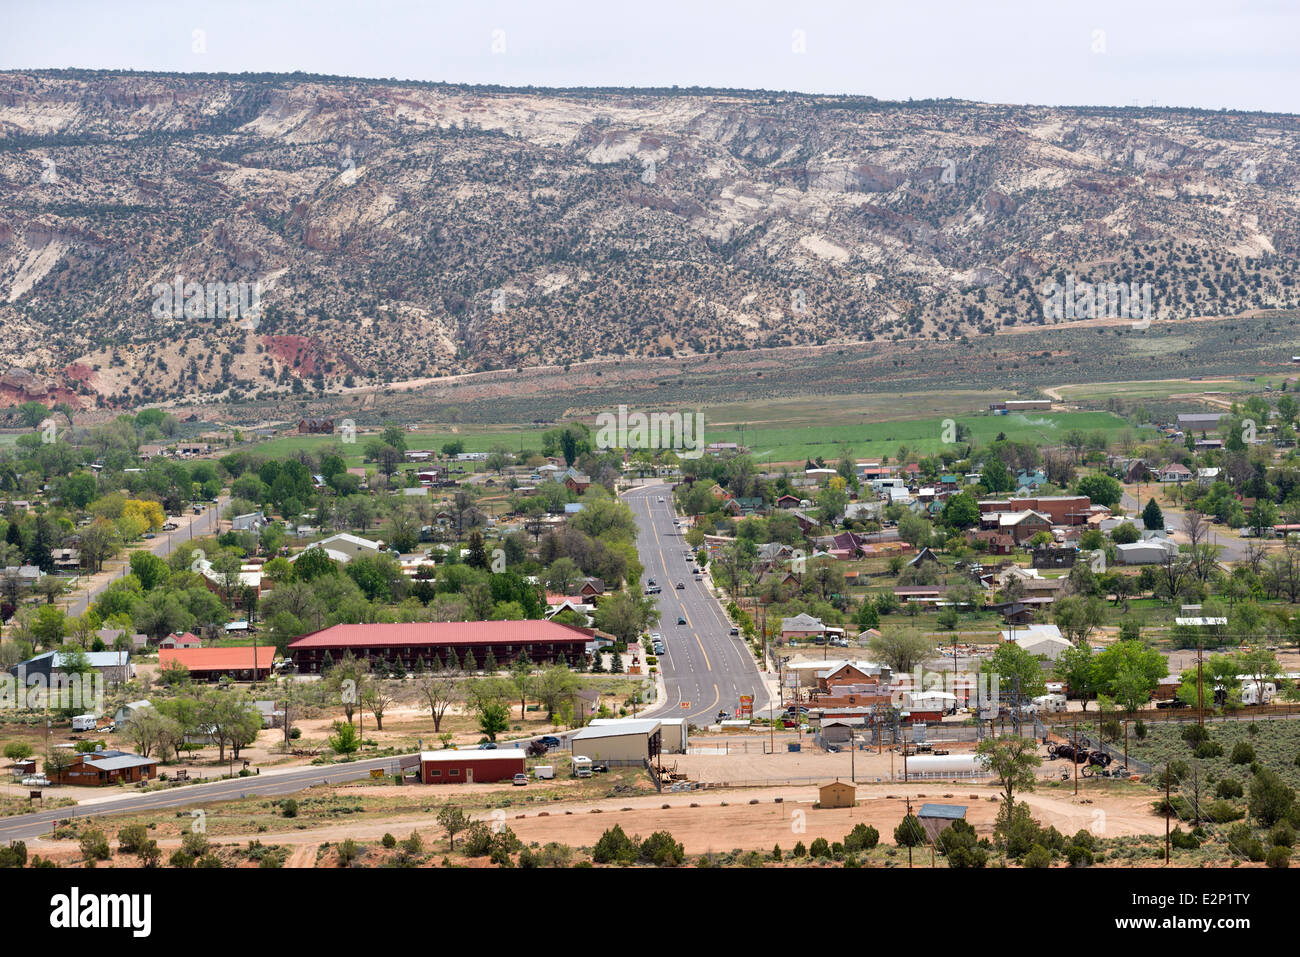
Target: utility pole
[
  {"x": 1126, "y": 744},
  {"x": 909, "y": 815},
  {"x": 1166, "y": 814},
  {"x": 1076, "y": 757}
]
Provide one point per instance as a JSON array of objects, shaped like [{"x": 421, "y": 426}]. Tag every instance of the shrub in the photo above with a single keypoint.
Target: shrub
[
  {"x": 1209, "y": 749},
  {"x": 1270, "y": 799},
  {"x": 389, "y": 841},
  {"x": 194, "y": 844},
  {"x": 1037, "y": 857},
  {"x": 181, "y": 858},
  {"x": 615, "y": 847},
  {"x": 1140, "y": 729},
  {"x": 799, "y": 850},
  {"x": 209, "y": 860},
  {"x": 149, "y": 854},
  {"x": 94, "y": 846},
  {"x": 1278, "y": 857},
  {"x": 1078, "y": 856},
  {"x": 820, "y": 848},
  {"x": 478, "y": 840},
  {"x": 1229, "y": 788},
  {"x": 1183, "y": 840},
  {"x": 1282, "y": 835},
  {"x": 1243, "y": 753},
  {"x": 961, "y": 846},
  {"x": 661, "y": 850},
  {"x": 131, "y": 838},
  {"x": 289, "y": 807},
  {"x": 1195, "y": 734},
  {"x": 861, "y": 838},
  {"x": 347, "y": 852},
  {"x": 1221, "y": 812}
]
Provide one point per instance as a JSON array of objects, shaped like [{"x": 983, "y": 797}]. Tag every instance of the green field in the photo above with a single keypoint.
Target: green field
[{"x": 783, "y": 431}]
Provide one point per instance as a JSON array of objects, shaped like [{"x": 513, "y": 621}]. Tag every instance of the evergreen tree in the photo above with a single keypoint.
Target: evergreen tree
[
  {"x": 1152, "y": 517},
  {"x": 469, "y": 663},
  {"x": 490, "y": 663}
]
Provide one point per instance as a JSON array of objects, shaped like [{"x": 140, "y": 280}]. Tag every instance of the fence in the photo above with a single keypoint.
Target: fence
[
  {"x": 734, "y": 747},
  {"x": 896, "y": 778}
]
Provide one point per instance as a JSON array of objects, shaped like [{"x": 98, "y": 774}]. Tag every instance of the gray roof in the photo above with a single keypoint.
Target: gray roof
[
  {"x": 951, "y": 812},
  {"x": 644, "y": 726},
  {"x": 116, "y": 760},
  {"x": 96, "y": 659}
]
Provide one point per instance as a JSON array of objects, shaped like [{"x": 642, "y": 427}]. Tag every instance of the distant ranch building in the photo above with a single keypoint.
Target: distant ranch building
[{"x": 410, "y": 642}]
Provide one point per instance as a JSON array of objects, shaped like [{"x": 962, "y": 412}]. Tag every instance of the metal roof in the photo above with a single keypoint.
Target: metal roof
[
  {"x": 617, "y": 728},
  {"x": 951, "y": 812},
  {"x": 473, "y": 755}
]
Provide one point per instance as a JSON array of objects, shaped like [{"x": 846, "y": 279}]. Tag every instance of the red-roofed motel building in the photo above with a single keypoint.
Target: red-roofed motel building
[{"x": 542, "y": 641}]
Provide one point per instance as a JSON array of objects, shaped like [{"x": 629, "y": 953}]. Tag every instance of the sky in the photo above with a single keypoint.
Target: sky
[{"x": 1234, "y": 54}]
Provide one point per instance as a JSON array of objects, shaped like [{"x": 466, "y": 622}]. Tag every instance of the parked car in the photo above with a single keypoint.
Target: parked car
[
  {"x": 550, "y": 740},
  {"x": 600, "y": 767},
  {"x": 734, "y": 632},
  {"x": 520, "y": 779},
  {"x": 724, "y": 715},
  {"x": 487, "y": 746},
  {"x": 1172, "y": 703}
]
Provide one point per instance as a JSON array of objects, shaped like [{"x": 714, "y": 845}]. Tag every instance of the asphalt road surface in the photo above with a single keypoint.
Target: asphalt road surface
[
  {"x": 705, "y": 669},
  {"x": 202, "y": 525},
  {"x": 25, "y": 827}
]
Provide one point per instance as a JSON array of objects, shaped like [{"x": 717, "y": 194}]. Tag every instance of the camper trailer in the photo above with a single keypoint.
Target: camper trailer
[
  {"x": 581, "y": 766},
  {"x": 1253, "y": 693},
  {"x": 84, "y": 722},
  {"x": 1049, "y": 703}
]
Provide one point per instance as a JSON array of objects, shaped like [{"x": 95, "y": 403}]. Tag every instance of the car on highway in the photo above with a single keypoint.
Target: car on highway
[
  {"x": 655, "y": 636},
  {"x": 654, "y": 590},
  {"x": 724, "y": 715},
  {"x": 681, "y": 585},
  {"x": 661, "y": 498},
  {"x": 659, "y": 648},
  {"x": 650, "y": 581},
  {"x": 681, "y": 619},
  {"x": 734, "y": 632},
  {"x": 550, "y": 740},
  {"x": 520, "y": 780}
]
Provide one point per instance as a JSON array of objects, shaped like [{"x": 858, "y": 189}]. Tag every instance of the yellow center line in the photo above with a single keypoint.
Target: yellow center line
[
  {"x": 717, "y": 696},
  {"x": 707, "y": 666}
]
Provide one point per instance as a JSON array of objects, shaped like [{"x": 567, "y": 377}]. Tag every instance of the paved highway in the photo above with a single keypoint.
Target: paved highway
[
  {"x": 705, "y": 669},
  {"x": 25, "y": 827}
]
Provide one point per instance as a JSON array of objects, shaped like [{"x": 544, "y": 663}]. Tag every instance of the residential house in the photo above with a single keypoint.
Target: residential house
[
  {"x": 251, "y": 522},
  {"x": 802, "y": 626},
  {"x": 1174, "y": 472}
]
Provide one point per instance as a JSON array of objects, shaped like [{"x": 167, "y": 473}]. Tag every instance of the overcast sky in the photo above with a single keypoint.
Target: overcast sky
[{"x": 1240, "y": 54}]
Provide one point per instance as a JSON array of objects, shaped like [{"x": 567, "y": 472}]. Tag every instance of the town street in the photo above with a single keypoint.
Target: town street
[{"x": 705, "y": 670}]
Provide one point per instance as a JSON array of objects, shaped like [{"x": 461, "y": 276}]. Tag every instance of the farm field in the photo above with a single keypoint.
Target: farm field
[{"x": 785, "y": 432}]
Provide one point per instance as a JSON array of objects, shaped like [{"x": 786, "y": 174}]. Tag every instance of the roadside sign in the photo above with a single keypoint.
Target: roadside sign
[
  {"x": 376, "y": 773},
  {"x": 686, "y": 706}
]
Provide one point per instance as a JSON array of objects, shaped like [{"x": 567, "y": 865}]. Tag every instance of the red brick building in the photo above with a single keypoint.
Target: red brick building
[
  {"x": 1060, "y": 509},
  {"x": 409, "y": 642}
]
